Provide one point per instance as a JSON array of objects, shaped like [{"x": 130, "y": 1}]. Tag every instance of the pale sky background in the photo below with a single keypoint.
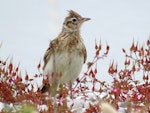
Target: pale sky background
[{"x": 27, "y": 26}]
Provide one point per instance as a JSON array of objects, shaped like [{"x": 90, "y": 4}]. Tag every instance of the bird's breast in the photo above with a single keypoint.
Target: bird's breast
[{"x": 69, "y": 64}]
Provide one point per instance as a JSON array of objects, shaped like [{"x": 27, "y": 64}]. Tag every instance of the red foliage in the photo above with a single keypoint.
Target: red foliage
[{"x": 124, "y": 87}]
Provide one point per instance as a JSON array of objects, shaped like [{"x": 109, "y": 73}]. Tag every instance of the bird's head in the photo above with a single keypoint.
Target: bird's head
[{"x": 73, "y": 21}]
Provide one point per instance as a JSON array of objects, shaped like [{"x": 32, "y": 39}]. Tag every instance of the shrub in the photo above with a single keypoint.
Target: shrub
[{"x": 19, "y": 95}]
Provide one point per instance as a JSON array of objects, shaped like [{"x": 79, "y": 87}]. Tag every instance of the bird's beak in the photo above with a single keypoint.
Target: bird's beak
[{"x": 85, "y": 19}]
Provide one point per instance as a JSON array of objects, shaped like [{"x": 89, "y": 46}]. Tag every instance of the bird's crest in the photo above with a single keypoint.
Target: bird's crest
[{"x": 74, "y": 14}]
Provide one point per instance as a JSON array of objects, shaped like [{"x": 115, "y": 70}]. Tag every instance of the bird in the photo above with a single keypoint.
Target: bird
[{"x": 66, "y": 54}]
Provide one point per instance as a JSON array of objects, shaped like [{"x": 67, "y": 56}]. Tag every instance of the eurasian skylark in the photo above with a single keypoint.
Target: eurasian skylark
[{"x": 66, "y": 54}]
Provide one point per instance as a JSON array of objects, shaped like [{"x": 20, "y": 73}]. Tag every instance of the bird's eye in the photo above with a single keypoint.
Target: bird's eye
[{"x": 74, "y": 19}]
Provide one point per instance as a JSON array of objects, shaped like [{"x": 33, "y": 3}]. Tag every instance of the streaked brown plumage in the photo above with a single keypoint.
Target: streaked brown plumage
[{"x": 66, "y": 54}]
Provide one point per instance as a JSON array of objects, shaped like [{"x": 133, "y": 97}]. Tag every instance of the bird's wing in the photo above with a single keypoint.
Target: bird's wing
[
  {"x": 49, "y": 51},
  {"x": 47, "y": 55},
  {"x": 84, "y": 54}
]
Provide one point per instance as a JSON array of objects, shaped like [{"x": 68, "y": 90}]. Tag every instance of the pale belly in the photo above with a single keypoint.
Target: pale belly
[{"x": 68, "y": 65}]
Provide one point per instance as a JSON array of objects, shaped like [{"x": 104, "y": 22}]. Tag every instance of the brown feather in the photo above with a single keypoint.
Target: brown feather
[{"x": 70, "y": 43}]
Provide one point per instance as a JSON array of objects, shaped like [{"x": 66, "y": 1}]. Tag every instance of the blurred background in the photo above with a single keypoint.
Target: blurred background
[{"x": 27, "y": 27}]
